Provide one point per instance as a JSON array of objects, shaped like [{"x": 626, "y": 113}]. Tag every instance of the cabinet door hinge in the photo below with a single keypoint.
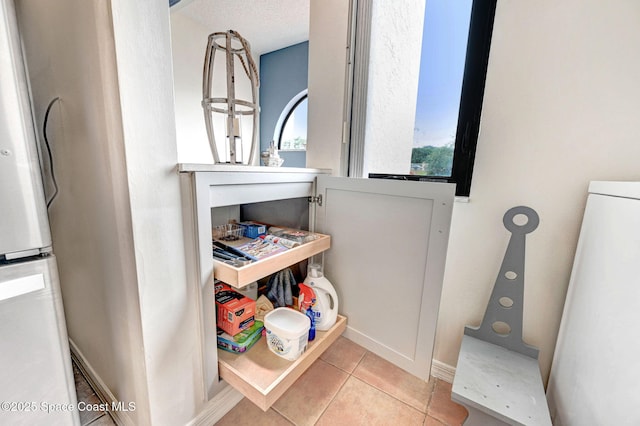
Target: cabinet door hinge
[{"x": 315, "y": 199}]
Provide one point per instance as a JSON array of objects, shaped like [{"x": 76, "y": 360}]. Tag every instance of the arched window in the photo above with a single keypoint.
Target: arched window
[{"x": 291, "y": 128}]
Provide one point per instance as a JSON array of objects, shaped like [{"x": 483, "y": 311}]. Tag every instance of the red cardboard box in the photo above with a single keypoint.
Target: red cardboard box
[{"x": 234, "y": 311}]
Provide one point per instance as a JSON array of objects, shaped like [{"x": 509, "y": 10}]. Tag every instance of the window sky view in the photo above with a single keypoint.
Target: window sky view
[
  {"x": 295, "y": 127},
  {"x": 444, "y": 45}
]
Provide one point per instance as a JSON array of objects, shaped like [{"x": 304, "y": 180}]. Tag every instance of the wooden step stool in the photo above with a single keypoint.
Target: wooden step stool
[{"x": 498, "y": 377}]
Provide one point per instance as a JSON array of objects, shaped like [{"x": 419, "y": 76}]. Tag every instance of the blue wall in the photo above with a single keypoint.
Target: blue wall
[{"x": 283, "y": 74}]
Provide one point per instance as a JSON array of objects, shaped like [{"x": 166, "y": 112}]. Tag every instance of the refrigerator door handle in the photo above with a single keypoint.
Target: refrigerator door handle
[{"x": 20, "y": 286}]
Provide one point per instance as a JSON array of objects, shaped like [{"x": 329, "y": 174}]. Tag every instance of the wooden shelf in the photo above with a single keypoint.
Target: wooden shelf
[
  {"x": 262, "y": 376},
  {"x": 240, "y": 277}
]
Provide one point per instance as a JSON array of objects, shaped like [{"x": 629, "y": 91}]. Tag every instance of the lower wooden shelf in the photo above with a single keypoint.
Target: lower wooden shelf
[{"x": 262, "y": 376}]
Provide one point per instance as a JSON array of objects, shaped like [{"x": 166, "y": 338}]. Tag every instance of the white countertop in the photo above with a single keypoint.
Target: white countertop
[{"x": 192, "y": 167}]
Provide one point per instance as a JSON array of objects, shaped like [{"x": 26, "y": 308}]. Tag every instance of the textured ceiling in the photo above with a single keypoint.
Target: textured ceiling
[{"x": 268, "y": 25}]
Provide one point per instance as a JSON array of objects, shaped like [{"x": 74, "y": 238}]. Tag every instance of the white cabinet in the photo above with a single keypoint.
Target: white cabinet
[
  {"x": 595, "y": 375},
  {"x": 384, "y": 247}
]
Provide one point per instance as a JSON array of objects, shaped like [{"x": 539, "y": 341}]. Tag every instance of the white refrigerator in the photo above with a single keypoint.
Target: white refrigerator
[{"x": 36, "y": 380}]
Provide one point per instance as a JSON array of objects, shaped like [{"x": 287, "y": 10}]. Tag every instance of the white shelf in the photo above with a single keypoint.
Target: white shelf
[
  {"x": 239, "y": 277},
  {"x": 263, "y": 376}
]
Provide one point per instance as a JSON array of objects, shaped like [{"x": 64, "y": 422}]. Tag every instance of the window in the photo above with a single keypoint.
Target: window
[
  {"x": 456, "y": 42},
  {"x": 291, "y": 128},
  {"x": 455, "y": 51},
  {"x": 444, "y": 43}
]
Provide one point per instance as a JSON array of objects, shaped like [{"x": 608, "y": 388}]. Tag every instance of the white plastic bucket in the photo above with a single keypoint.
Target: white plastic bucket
[{"x": 287, "y": 332}]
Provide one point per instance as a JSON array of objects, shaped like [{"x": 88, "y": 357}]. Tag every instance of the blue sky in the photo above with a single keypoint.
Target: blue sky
[
  {"x": 441, "y": 67},
  {"x": 297, "y": 123}
]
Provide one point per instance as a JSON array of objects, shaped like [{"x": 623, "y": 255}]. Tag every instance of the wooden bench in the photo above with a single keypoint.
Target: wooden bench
[{"x": 498, "y": 377}]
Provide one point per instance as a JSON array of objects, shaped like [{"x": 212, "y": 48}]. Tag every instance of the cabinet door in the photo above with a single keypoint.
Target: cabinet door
[{"x": 387, "y": 258}]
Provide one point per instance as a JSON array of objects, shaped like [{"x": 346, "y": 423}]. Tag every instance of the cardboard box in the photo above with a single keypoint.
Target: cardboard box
[
  {"x": 242, "y": 341},
  {"x": 234, "y": 311}
]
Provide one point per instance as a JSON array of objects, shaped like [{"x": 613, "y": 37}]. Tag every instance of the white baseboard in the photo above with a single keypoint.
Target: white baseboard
[
  {"x": 442, "y": 371},
  {"x": 121, "y": 418},
  {"x": 217, "y": 407},
  {"x": 213, "y": 411}
]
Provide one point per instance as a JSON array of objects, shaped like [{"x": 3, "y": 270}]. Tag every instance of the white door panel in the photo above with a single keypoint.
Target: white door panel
[{"x": 389, "y": 241}]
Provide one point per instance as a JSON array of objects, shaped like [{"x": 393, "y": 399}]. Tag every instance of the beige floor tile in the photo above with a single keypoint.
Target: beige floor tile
[
  {"x": 344, "y": 354},
  {"x": 432, "y": 421},
  {"x": 247, "y": 413},
  {"x": 357, "y": 403},
  {"x": 443, "y": 408},
  {"x": 310, "y": 395},
  {"x": 395, "y": 381}
]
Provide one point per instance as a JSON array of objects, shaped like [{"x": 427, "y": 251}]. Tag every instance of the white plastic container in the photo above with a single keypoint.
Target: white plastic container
[
  {"x": 326, "y": 306},
  {"x": 287, "y": 332}
]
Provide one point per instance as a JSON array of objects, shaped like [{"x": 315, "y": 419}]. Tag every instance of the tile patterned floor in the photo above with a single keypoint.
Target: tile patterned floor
[
  {"x": 349, "y": 385},
  {"x": 87, "y": 395}
]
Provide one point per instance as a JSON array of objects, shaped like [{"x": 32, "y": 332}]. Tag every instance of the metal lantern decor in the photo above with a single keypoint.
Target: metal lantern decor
[{"x": 227, "y": 116}]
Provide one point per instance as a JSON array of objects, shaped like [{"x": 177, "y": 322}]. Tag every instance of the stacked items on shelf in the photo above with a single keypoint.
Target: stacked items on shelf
[
  {"x": 235, "y": 318},
  {"x": 253, "y": 229},
  {"x": 260, "y": 248},
  {"x": 240, "y": 243},
  {"x": 292, "y": 235},
  {"x": 288, "y": 330},
  {"x": 242, "y": 341}
]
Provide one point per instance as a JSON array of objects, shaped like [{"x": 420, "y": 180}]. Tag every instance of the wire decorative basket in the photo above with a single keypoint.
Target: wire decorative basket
[{"x": 228, "y": 232}]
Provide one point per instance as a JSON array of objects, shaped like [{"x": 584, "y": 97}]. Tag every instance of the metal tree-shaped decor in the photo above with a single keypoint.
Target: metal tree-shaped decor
[
  {"x": 223, "y": 111},
  {"x": 507, "y": 298}
]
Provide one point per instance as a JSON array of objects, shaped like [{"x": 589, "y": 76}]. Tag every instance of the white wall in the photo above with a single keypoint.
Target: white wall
[
  {"x": 392, "y": 87},
  {"x": 117, "y": 224},
  {"x": 188, "y": 45},
  {"x": 561, "y": 108},
  {"x": 170, "y": 331},
  {"x": 327, "y": 61},
  {"x": 69, "y": 50}
]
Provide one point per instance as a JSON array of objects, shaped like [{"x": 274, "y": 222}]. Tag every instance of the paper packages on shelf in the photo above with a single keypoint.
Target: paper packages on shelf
[
  {"x": 234, "y": 311},
  {"x": 259, "y": 249},
  {"x": 242, "y": 341},
  {"x": 294, "y": 235},
  {"x": 253, "y": 243}
]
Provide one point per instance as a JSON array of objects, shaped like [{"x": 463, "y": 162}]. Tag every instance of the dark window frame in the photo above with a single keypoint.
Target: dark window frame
[
  {"x": 286, "y": 120},
  {"x": 472, "y": 95}
]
